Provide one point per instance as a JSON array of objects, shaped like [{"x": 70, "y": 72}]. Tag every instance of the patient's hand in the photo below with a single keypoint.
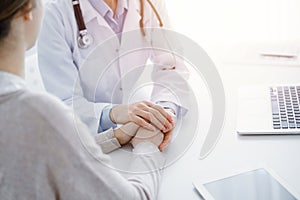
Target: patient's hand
[
  {"x": 137, "y": 134},
  {"x": 144, "y": 135},
  {"x": 126, "y": 132},
  {"x": 161, "y": 140}
]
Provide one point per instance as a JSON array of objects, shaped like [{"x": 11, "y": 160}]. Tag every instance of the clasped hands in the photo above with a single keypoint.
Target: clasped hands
[{"x": 143, "y": 122}]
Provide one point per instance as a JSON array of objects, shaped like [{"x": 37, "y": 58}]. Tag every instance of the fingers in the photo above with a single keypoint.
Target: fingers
[
  {"x": 158, "y": 138},
  {"x": 141, "y": 122},
  {"x": 167, "y": 125},
  {"x": 153, "y": 119},
  {"x": 154, "y": 114},
  {"x": 166, "y": 141},
  {"x": 144, "y": 114},
  {"x": 160, "y": 109},
  {"x": 163, "y": 112}
]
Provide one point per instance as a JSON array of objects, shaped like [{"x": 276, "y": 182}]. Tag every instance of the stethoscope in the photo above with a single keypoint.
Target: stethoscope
[{"x": 85, "y": 39}]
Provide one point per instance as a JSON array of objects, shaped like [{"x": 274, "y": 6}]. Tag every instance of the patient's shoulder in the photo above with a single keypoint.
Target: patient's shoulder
[
  {"x": 52, "y": 112},
  {"x": 47, "y": 106},
  {"x": 43, "y": 102}
]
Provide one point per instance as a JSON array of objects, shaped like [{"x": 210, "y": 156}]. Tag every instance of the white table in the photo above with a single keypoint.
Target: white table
[{"x": 234, "y": 153}]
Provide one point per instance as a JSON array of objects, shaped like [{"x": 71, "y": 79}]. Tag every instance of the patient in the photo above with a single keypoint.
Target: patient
[{"x": 45, "y": 150}]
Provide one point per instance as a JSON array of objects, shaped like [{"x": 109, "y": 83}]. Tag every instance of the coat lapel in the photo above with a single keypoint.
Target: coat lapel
[
  {"x": 133, "y": 16},
  {"x": 89, "y": 13}
]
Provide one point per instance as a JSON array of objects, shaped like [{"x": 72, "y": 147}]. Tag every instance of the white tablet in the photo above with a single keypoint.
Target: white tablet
[{"x": 258, "y": 184}]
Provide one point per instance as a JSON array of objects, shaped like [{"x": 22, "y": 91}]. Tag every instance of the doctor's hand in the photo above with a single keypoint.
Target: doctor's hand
[
  {"x": 144, "y": 114},
  {"x": 125, "y": 133},
  {"x": 168, "y": 136}
]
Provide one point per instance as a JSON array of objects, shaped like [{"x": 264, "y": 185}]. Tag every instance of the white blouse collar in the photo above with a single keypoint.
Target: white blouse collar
[{"x": 10, "y": 83}]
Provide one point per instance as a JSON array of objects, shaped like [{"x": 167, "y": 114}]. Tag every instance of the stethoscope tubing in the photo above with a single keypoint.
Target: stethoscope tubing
[{"x": 83, "y": 32}]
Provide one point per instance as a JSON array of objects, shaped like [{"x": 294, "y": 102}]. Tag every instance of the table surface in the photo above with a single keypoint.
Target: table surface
[
  {"x": 235, "y": 153},
  {"x": 232, "y": 153}
]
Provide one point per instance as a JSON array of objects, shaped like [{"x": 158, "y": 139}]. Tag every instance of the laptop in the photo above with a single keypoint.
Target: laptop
[{"x": 269, "y": 110}]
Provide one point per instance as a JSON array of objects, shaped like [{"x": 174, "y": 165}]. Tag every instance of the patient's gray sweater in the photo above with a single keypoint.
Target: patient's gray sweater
[{"x": 47, "y": 153}]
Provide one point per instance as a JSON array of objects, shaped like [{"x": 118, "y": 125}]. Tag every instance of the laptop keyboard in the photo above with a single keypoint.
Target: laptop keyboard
[{"x": 285, "y": 107}]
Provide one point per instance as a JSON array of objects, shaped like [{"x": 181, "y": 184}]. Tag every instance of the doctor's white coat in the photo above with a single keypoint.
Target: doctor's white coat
[{"x": 90, "y": 79}]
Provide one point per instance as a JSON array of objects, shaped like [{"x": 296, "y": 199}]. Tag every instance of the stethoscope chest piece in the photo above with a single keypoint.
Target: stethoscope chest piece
[{"x": 85, "y": 40}]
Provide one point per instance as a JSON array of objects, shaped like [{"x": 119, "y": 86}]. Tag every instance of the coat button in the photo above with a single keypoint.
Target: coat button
[{"x": 117, "y": 50}]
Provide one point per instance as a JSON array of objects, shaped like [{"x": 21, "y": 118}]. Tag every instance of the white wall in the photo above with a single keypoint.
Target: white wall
[
  {"x": 223, "y": 21},
  {"x": 209, "y": 21}
]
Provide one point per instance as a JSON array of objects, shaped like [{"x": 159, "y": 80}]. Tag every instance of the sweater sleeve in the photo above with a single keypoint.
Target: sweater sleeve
[{"x": 107, "y": 141}]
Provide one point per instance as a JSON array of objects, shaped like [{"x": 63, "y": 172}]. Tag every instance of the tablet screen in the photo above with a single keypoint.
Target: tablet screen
[{"x": 257, "y": 184}]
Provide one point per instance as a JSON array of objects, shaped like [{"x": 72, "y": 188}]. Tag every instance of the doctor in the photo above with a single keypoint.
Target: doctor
[{"x": 74, "y": 29}]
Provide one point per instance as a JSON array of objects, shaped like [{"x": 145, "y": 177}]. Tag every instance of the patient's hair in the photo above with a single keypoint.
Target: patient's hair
[{"x": 8, "y": 10}]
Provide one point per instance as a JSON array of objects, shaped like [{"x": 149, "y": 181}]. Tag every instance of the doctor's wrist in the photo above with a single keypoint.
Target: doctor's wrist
[
  {"x": 111, "y": 114},
  {"x": 105, "y": 122}
]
